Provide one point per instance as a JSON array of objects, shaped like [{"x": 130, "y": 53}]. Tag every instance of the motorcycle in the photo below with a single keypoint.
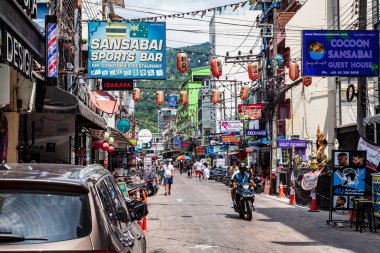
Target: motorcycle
[
  {"x": 244, "y": 199},
  {"x": 259, "y": 184},
  {"x": 151, "y": 187}
]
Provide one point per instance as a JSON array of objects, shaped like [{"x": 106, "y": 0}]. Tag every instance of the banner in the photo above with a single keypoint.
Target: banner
[
  {"x": 117, "y": 84},
  {"x": 172, "y": 101},
  {"x": 376, "y": 193},
  {"x": 310, "y": 180},
  {"x": 177, "y": 141},
  {"x": 256, "y": 132},
  {"x": 348, "y": 177},
  {"x": 250, "y": 111},
  {"x": 230, "y": 126},
  {"x": 373, "y": 152},
  {"x": 340, "y": 53},
  {"x": 126, "y": 50},
  {"x": 231, "y": 138},
  {"x": 291, "y": 144}
]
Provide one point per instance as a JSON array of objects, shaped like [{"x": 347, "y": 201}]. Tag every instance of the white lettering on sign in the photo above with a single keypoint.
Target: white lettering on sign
[
  {"x": 18, "y": 55},
  {"x": 126, "y": 44},
  {"x": 30, "y": 6}
]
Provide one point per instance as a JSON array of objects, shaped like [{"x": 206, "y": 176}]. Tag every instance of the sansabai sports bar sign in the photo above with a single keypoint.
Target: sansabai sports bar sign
[
  {"x": 127, "y": 50},
  {"x": 340, "y": 53}
]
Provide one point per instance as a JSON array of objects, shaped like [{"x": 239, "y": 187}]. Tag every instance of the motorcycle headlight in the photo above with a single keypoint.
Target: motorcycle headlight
[{"x": 245, "y": 187}]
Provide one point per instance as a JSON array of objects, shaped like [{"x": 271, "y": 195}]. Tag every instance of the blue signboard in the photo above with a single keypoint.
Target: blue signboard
[
  {"x": 340, "y": 53},
  {"x": 127, "y": 50},
  {"x": 177, "y": 141},
  {"x": 172, "y": 101},
  {"x": 256, "y": 132}
]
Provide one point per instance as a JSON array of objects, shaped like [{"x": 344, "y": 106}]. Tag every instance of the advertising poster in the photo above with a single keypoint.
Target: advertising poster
[
  {"x": 340, "y": 53},
  {"x": 177, "y": 141},
  {"x": 230, "y": 126},
  {"x": 376, "y": 193},
  {"x": 348, "y": 177},
  {"x": 172, "y": 101},
  {"x": 250, "y": 111},
  {"x": 134, "y": 50},
  {"x": 139, "y": 145},
  {"x": 256, "y": 132},
  {"x": 231, "y": 138}
]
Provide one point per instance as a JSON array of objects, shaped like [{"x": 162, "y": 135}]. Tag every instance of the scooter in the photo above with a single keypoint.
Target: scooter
[{"x": 244, "y": 199}]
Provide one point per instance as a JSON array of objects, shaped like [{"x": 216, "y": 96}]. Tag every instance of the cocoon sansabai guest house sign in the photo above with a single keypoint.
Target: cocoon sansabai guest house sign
[
  {"x": 340, "y": 53},
  {"x": 117, "y": 84},
  {"x": 135, "y": 50}
]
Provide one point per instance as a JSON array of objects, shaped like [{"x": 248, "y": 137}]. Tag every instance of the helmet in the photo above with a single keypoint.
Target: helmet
[{"x": 242, "y": 166}]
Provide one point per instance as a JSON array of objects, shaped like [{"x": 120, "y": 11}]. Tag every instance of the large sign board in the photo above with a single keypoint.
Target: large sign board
[
  {"x": 127, "y": 50},
  {"x": 340, "y": 53},
  {"x": 348, "y": 177},
  {"x": 250, "y": 111},
  {"x": 256, "y": 132},
  {"x": 230, "y": 126},
  {"x": 231, "y": 138}
]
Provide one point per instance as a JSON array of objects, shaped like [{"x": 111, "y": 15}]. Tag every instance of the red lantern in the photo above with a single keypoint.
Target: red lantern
[
  {"x": 96, "y": 144},
  {"x": 105, "y": 146},
  {"x": 110, "y": 149},
  {"x": 216, "y": 67},
  {"x": 182, "y": 62},
  {"x": 215, "y": 97},
  {"x": 293, "y": 71},
  {"x": 306, "y": 80},
  {"x": 244, "y": 92},
  {"x": 184, "y": 99},
  {"x": 136, "y": 94},
  {"x": 253, "y": 71},
  {"x": 159, "y": 97}
]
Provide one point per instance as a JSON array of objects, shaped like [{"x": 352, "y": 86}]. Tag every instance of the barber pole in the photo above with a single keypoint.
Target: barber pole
[{"x": 51, "y": 30}]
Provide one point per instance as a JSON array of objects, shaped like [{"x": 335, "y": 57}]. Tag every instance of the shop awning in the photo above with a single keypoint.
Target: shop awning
[
  {"x": 120, "y": 139},
  {"x": 56, "y": 100},
  {"x": 104, "y": 101},
  {"x": 372, "y": 120}
]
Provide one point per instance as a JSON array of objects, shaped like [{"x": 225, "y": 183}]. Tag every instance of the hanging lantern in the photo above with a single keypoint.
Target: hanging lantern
[
  {"x": 159, "y": 97},
  {"x": 105, "y": 146},
  {"x": 244, "y": 92},
  {"x": 136, "y": 94},
  {"x": 182, "y": 62},
  {"x": 184, "y": 99},
  {"x": 253, "y": 71},
  {"x": 216, "y": 67},
  {"x": 293, "y": 71},
  {"x": 123, "y": 126},
  {"x": 215, "y": 97},
  {"x": 106, "y": 136},
  {"x": 111, "y": 141},
  {"x": 110, "y": 149},
  {"x": 96, "y": 144},
  {"x": 306, "y": 80}
]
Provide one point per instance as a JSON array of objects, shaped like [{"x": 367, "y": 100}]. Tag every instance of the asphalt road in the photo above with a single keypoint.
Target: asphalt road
[{"x": 197, "y": 217}]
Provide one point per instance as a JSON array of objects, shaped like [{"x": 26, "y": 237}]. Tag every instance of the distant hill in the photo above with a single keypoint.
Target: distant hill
[{"x": 146, "y": 109}]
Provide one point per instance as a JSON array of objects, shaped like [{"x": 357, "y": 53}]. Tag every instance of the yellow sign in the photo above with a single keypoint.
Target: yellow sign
[{"x": 134, "y": 142}]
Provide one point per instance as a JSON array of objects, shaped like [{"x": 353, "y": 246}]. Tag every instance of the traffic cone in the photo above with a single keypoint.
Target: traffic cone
[
  {"x": 281, "y": 193},
  {"x": 313, "y": 205},
  {"x": 144, "y": 225},
  {"x": 292, "y": 199},
  {"x": 140, "y": 224}
]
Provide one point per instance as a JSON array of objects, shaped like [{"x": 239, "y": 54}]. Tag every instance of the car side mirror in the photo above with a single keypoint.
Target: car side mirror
[{"x": 139, "y": 210}]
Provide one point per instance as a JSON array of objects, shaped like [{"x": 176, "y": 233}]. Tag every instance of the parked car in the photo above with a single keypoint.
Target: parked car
[{"x": 57, "y": 207}]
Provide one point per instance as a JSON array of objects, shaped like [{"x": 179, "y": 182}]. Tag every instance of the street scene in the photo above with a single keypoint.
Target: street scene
[{"x": 189, "y": 126}]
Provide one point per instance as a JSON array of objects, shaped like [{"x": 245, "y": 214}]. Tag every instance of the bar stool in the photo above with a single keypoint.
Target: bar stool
[{"x": 365, "y": 211}]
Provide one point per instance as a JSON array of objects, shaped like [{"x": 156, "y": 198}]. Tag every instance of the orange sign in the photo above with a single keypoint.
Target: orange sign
[{"x": 231, "y": 138}]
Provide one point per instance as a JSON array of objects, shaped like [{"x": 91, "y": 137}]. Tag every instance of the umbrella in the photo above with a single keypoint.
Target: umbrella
[{"x": 183, "y": 157}]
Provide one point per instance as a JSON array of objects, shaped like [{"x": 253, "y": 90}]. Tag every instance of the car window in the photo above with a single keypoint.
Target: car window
[
  {"x": 56, "y": 216},
  {"x": 111, "y": 204}
]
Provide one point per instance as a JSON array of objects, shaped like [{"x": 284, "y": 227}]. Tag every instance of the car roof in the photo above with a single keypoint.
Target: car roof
[{"x": 53, "y": 173}]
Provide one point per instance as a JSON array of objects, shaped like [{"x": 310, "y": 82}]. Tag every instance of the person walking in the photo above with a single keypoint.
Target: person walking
[
  {"x": 206, "y": 172},
  {"x": 189, "y": 168},
  {"x": 168, "y": 177},
  {"x": 181, "y": 165},
  {"x": 160, "y": 173},
  {"x": 199, "y": 170}
]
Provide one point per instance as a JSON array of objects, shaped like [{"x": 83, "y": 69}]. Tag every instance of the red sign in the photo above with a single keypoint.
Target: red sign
[
  {"x": 250, "y": 111},
  {"x": 201, "y": 151},
  {"x": 117, "y": 84},
  {"x": 231, "y": 138}
]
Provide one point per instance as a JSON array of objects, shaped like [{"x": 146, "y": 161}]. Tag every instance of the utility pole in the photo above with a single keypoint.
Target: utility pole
[
  {"x": 275, "y": 92},
  {"x": 236, "y": 98},
  {"x": 362, "y": 81}
]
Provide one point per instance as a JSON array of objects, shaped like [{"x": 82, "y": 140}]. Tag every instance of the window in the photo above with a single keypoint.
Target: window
[
  {"x": 111, "y": 198},
  {"x": 56, "y": 216}
]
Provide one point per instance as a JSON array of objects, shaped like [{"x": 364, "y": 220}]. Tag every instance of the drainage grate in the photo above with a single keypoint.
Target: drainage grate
[
  {"x": 153, "y": 218},
  {"x": 186, "y": 216}
]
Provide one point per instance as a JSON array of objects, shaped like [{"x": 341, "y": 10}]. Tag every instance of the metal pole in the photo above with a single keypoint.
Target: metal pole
[
  {"x": 362, "y": 81},
  {"x": 275, "y": 90},
  {"x": 236, "y": 97}
]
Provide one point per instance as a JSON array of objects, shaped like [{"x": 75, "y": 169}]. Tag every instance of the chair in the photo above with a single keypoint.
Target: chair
[{"x": 364, "y": 211}]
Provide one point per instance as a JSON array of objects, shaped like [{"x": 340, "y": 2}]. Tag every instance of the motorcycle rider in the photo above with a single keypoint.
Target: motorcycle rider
[{"x": 240, "y": 177}]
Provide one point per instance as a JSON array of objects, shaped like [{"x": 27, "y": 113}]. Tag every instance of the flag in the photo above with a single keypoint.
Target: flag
[
  {"x": 116, "y": 30},
  {"x": 235, "y": 7},
  {"x": 138, "y": 31}
]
